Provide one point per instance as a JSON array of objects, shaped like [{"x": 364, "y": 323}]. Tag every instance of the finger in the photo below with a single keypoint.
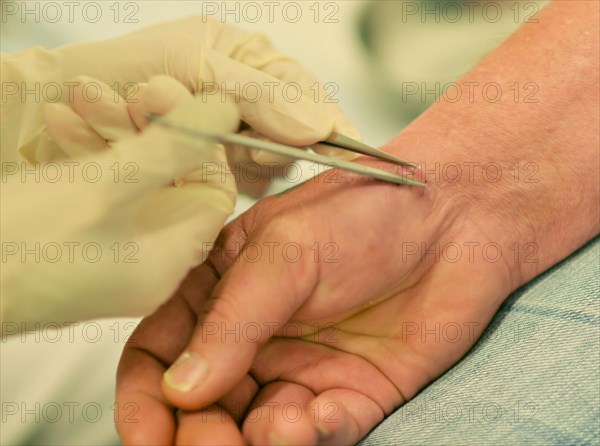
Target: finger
[
  {"x": 145, "y": 416},
  {"x": 252, "y": 178},
  {"x": 283, "y": 111},
  {"x": 341, "y": 380},
  {"x": 265, "y": 57},
  {"x": 269, "y": 164},
  {"x": 237, "y": 401},
  {"x": 137, "y": 107},
  {"x": 252, "y": 300},
  {"x": 344, "y": 416},
  {"x": 161, "y": 155},
  {"x": 333, "y": 152},
  {"x": 290, "y": 71},
  {"x": 263, "y": 157},
  {"x": 71, "y": 132},
  {"x": 102, "y": 108},
  {"x": 344, "y": 125},
  {"x": 210, "y": 426},
  {"x": 159, "y": 96},
  {"x": 205, "y": 206},
  {"x": 279, "y": 111},
  {"x": 280, "y": 415}
]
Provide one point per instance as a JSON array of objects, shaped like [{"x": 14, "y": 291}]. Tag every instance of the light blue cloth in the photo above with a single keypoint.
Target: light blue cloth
[{"x": 532, "y": 379}]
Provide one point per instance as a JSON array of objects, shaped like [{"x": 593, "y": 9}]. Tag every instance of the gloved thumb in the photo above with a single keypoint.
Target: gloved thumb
[{"x": 162, "y": 155}]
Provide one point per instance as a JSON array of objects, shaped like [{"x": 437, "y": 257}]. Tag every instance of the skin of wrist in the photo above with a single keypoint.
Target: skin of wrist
[
  {"x": 443, "y": 217},
  {"x": 512, "y": 196}
]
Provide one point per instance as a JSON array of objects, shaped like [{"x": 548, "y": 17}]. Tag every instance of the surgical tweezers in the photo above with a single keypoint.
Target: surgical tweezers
[{"x": 336, "y": 140}]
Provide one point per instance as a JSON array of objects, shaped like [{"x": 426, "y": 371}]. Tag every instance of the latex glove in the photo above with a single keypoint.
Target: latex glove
[
  {"x": 75, "y": 128},
  {"x": 120, "y": 245},
  {"x": 201, "y": 53}
]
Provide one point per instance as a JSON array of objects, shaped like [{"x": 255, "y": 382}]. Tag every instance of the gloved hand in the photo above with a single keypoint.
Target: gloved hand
[
  {"x": 203, "y": 54},
  {"x": 112, "y": 236},
  {"x": 76, "y": 128}
]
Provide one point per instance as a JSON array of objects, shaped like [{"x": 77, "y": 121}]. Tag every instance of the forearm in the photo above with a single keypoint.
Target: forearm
[{"x": 528, "y": 168}]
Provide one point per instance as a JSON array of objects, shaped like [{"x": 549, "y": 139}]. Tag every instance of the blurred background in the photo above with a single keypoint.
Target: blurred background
[{"x": 386, "y": 62}]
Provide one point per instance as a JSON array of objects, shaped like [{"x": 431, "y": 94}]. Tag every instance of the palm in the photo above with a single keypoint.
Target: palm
[{"x": 374, "y": 323}]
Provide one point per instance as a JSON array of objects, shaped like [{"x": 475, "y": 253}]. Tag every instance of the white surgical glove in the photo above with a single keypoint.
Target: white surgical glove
[
  {"x": 203, "y": 54},
  {"x": 113, "y": 236}
]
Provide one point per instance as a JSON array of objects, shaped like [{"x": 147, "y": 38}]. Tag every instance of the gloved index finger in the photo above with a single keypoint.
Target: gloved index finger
[
  {"x": 257, "y": 51},
  {"x": 278, "y": 111}
]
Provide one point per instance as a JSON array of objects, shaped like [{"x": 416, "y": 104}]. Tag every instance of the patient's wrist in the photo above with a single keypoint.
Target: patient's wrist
[{"x": 537, "y": 206}]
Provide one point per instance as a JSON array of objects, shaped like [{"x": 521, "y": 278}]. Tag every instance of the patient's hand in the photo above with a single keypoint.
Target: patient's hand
[
  {"x": 390, "y": 315},
  {"x": 328, "y": 315}
]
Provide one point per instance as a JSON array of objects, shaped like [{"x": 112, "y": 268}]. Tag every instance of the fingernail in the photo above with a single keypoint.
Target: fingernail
[
  {"x": 275, "y": 440},
  {"x": 186, "y": 373},
  {"x": 323, "y": 433}
]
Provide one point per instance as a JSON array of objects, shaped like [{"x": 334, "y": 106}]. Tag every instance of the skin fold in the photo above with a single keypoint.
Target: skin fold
[{"x": 342, "y": 330}]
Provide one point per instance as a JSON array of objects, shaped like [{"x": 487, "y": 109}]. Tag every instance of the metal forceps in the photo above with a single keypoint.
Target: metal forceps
[{"x": 336, "y": 140}]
